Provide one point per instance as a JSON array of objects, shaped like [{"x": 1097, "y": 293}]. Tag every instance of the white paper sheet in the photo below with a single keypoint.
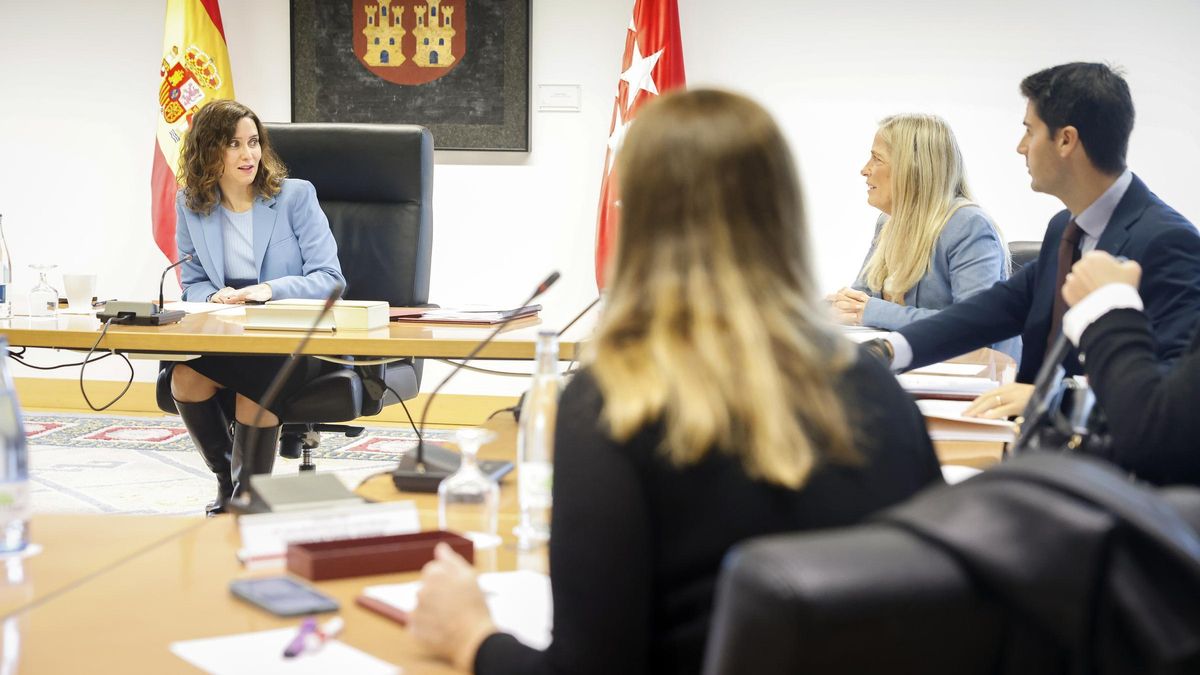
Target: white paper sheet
[
  {"x": 946, "y": 423},
  {"x": 207, "y": 308},
  {"x": 956, "y": 369},
  {"x": 953, "y": 410},
  {"x": 860, "y": 334},
  {"x": 519, "y": 601},
  {"x": 962, "y": 433},
  {"x": 953, "y": 473},
  {"x": 945, "y": 385},
  {"x": 261, "y": 653}
]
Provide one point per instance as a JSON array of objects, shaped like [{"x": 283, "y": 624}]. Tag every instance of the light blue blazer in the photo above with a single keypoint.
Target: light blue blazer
[
  {"x": 293, "y": 247},
  {"x": 968, "y": 257}
]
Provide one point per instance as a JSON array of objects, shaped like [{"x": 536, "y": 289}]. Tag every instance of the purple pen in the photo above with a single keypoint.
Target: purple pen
[{"x": 296, "y": 646}]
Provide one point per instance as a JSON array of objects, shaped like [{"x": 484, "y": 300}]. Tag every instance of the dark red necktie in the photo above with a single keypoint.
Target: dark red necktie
[{"x": 1068, "y": 254}]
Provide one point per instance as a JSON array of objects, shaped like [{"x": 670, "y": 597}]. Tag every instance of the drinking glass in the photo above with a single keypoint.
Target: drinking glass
[
  {"x": 43, "y": 298},
  {"x": 468, "y": 499}
]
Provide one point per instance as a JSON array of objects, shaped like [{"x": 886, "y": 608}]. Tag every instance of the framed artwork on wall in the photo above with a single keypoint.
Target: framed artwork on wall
[{"x": 458, "y": 67}]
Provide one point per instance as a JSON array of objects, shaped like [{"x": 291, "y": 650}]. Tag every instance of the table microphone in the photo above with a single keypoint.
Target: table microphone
[
  {"x": 416, "y": 473},
  {"x": 145, "y": 313}
]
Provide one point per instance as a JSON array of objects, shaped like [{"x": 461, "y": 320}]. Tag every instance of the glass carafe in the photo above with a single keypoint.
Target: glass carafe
[
  {"x": 468, "y": 499},
  {"x": 43, "y": 298}
]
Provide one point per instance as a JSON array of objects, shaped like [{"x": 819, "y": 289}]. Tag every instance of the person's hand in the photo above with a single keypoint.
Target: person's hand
[
  {"x": 1096, "y": 269},
  {"x": 255, "y": 293},
  {"x": 848, "y": 306},
  {"x": 222, "y": 296},
  {"x": 1001, "y": 403},
  {"x": 451, "y": 618}
]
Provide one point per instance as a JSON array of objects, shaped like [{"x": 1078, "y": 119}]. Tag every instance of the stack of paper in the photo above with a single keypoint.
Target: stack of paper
[
  {"x": 945, "y": 422},
  {"x": 300, "y": 314}
]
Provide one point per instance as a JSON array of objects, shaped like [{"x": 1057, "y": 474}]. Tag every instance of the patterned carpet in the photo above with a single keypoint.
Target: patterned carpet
[{"x": 106, "y": 464}]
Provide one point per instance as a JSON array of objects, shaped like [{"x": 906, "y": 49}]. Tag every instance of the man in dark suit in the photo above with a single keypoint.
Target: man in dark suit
[
  {"x": 1151, "y": 413},
  {"x": 1077, "y": 125}
]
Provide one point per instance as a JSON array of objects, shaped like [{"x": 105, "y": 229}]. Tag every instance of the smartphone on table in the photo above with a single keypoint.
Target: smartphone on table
[{"x": 283, "y": 596}]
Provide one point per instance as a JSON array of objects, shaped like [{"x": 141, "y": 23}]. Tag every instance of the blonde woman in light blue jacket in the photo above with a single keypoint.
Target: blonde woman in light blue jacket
[{"x": 933, "y": 245}]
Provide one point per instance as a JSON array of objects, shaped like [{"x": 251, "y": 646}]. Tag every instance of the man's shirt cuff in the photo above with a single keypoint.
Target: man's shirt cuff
[
  {"x": 1095, "y": 305},
  {"x": 902, "y": 354}
]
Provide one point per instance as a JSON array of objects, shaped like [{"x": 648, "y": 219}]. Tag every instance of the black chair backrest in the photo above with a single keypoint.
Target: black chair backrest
[
  {"x": 1023, "y": 253},
  {"x": 375, "y": 184},
  {"x": 1049, "y": 563},
  {"x": 870, "y": 599}
]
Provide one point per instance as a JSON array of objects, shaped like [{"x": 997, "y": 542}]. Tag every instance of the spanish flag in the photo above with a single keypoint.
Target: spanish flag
[{"x": 194, "y": 71}]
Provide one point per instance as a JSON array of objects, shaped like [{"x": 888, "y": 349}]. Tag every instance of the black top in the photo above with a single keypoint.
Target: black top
[
  {"x": 1142, "y": 228},
  {"x": 637, "y": 544},
  {"x": 1151, "y": 412}
]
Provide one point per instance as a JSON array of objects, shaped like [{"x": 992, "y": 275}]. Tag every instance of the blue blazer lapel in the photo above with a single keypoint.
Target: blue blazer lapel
[
  {"x": 1128, "y": 211},
  {"x": 264, "y": 223},
  {"x": 211, "y": 247}
]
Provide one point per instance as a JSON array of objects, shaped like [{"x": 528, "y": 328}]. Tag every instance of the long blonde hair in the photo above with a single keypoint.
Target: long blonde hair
[
  {"x": 710, "y": 326},
  {"x": 929, "y": 183}
]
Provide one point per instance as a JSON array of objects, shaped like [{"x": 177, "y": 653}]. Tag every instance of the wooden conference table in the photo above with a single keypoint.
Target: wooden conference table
[
  {"x": 86, "y": 604},
  {"x": 111, "y": 593},
  {"x": 221, "y": 333}
]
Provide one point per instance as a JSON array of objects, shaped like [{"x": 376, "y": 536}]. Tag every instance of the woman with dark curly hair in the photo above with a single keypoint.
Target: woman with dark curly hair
[{"x": 254, "y": 235}]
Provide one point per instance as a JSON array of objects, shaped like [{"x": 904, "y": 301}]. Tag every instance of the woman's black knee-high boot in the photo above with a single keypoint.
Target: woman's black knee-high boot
[
  {"x": 253, "y": 453},
  {"x": 209, "y": 428}
]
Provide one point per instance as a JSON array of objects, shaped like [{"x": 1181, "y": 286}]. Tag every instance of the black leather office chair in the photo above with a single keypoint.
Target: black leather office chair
[
  {"x": 1046, "y": 564},
  {"x": 375, "y": 184},
  {"x": 1023, "y": 253}
]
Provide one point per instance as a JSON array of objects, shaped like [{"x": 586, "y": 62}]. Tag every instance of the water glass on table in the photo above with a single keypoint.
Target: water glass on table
[
  {"x": 468, "y": 499},
  {"x": 43, "y": 298}
]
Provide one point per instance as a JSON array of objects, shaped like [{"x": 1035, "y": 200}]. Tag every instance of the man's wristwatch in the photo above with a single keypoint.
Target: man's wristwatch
[{"x": 880, "y": 349}]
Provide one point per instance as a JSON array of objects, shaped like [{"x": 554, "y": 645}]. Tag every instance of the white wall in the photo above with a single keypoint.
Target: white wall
[{"x": 77, "y": 119}]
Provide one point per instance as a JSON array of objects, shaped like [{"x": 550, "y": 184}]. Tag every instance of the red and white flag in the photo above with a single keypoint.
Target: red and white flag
[
  {"x": 652, "y": 64},
  {"x": 194, "y": 72}
]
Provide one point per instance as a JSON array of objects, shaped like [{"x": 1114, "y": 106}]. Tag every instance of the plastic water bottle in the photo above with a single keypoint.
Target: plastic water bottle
[
  {"x": 535, "y": 445},
  {"x": 14, "y": 464},
  {"x": 5, "y": 275}
]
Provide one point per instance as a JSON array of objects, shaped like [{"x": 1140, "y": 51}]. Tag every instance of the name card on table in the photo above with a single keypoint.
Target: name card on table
[{"x": 265, "y": 536}]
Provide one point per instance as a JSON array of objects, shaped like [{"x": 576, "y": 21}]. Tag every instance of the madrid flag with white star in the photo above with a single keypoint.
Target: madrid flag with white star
[{"x": 652, "y": 64}]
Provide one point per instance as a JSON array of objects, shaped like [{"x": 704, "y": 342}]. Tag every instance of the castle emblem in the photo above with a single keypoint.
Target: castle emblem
[
  {"x": 434, "y": 32},
  {"x": 434, "y": 45}
]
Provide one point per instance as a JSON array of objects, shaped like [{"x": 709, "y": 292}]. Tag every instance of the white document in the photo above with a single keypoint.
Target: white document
[
  {"x": 956, "y": 369},
  {"x": 262, "y": 652},
  {"x": 953, "y": 410},
  {"x": 207, "y": 308},
  {"x": 860, "y": 334},
  {"x": 520, "y": 602},
  {"x": 267, "y": 535},
  {"x": 945, "y": 422},
  {"x": 953, "y": 473},
  {"x": 945, "y": 385}
]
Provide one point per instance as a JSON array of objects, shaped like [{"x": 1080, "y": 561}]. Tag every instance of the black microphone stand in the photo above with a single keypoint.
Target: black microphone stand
[
  {"x": 417, "y": 474},
  {"x": 1037, "y": 410},
  {"x": 277, "y": 382}
]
